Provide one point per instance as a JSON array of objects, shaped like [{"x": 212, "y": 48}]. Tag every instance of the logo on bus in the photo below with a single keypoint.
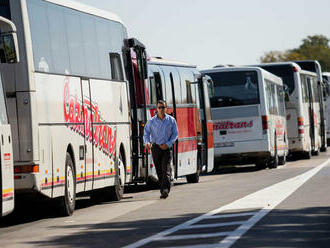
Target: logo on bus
[
  {"x": 232, "y": 125},
  {"x": 6, "y": 156},
  {"x": 101, "y": 135}
]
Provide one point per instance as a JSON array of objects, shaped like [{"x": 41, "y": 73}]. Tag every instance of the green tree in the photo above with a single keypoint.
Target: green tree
[{"x": 314, "y": 47}]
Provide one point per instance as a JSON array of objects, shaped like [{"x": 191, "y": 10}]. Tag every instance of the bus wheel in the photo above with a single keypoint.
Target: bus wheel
[
  {"x": 152, "y": 184},
  {"x": 307, "y": 155},
  {"x": 316, "y": 152},
  {"x": 260, "y": 165},
  {"x": 194, "y": 178},
  {"x": 282, "y": 160},
  {"x": 323, "y": 149},
  {"x": 117, "y": 191},
  {"x": 68, "y": 201}
]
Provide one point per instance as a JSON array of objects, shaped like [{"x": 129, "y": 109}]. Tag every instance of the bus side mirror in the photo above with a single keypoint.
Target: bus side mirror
[{"x": 9, "y": 48}]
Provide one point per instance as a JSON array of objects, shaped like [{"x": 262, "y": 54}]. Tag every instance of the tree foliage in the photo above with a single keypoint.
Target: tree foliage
[{"x": 314, "y": 47}]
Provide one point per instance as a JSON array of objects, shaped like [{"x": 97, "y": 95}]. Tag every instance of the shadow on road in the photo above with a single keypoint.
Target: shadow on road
[{"x": 307, "y": 227}]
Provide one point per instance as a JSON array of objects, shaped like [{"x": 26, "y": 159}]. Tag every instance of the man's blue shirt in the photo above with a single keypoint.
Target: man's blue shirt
[{"x": 161, "y": 131}]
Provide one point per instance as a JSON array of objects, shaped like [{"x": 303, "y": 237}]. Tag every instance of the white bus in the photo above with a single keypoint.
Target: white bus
[
  {"x": 68, "y": 100},
  {"x": 248, "y": 111},
  {"x": 314, "y": 66},
  {"x": 326, "y": 83},
  {"x": 180, "y": 85},
  {"x": 8, "y": 55},
  {"x": 303, "y": 113}
]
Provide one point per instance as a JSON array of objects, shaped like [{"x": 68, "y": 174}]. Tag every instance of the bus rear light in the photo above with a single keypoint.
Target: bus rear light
[
  {"x": 264, "y": 120},
  {"x": 26, "y": 169},
  {"x": 17, "y": 177},
  {"x": 300, "y": 125}
]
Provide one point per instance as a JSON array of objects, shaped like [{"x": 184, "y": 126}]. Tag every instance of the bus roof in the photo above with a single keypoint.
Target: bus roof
[
  {"x": 310, "y": 73},
  {"x": 161, "y": 61},
  {"x": 293, "y": 64},
  {"x": 87, "y": 9},
  {"x": 265, "y": 73}
]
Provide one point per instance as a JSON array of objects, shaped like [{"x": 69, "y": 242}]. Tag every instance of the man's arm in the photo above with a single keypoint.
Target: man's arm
[
  {"x": 146, "y": 133},
  {"x": 174, "y": 134}
]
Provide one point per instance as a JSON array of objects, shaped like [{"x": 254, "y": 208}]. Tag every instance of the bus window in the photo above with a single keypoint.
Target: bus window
[
  {"x": 155, "y": 88},
  {"x": 234, "y": 88},
  {"x": 189, "y": 93},
  {"x": 116, "y": 67},
  {"x": 280, "y": 99},
  {"x": 315, "y": 89}
]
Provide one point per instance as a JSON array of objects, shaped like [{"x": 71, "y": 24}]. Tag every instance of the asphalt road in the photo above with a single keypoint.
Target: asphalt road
[{"x": 235, "y": 207}]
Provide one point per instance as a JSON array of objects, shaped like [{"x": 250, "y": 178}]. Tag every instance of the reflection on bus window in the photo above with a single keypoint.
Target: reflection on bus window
[{"x": 234, "y": 88}]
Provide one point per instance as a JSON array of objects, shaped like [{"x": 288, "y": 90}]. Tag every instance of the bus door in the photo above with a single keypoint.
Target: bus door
[
  {"x": 6, "y": 161},
  {"x": 207, "y": 146},
  {"x": 136, "y": 75},
  {"x": 86, "y": 165},
  {"x": 175, "y": 146},
  {"x": 311, "y": 112}
]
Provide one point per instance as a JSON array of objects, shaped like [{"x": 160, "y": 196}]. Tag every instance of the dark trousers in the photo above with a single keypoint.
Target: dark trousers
[{"x": 162, "y": 161}]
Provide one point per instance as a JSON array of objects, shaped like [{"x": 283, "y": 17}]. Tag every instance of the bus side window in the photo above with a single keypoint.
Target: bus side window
[
  {"x": 116, "y": 67},
  {"x": 155, "y": 88},
  {"x": 189, "y": 93}
]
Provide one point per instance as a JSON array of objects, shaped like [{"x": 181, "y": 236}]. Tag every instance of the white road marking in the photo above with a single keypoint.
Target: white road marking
[
  {"x": 234, "y": 223},
  {"x": 229, "y": 215},
  {"x": 265, "y": 199}
]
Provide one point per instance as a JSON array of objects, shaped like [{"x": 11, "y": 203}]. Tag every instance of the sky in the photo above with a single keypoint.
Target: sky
[{"x": 211, "y": 32}]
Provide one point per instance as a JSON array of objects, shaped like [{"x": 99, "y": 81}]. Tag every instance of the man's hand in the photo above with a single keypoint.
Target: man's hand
[
  {"x": 163, "y": 147},
  {"x": 148, "y": 146}
]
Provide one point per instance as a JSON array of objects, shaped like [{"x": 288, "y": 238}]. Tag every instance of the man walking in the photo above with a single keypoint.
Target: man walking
[{"x": 159, "y": 135}]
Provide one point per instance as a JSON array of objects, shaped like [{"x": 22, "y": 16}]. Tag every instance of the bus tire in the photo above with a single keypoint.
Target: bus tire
[
  {"x": 307, "y": 155},
  {"x": 282, "y": 160},
  {"x": 68, "y": 201},
  {"x": 260, "y": 165},
  {"x": 117, "y": 192},
  {"x": 194, "y": 178},
  {"x": 152, "y": 184},
  {"x": 316, "y": 152},
  {"x": 323, "y": 149}
]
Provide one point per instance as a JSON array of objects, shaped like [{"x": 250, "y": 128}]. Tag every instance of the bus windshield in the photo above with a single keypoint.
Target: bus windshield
[
  {"x": 234, "y": 88},
  {"x": 285, "y": 72}
]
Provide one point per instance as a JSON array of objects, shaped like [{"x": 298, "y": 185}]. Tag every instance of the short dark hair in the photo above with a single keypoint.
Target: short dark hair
[{"x": 162, "y": 102}]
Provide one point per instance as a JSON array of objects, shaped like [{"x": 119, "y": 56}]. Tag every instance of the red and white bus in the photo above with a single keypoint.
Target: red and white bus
[
  {"x": 185, "y": 92},
  {"x": 68, "y": 100}
]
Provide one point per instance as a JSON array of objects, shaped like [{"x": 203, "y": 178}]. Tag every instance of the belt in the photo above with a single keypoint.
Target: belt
[{"x": 158, "y": 146}]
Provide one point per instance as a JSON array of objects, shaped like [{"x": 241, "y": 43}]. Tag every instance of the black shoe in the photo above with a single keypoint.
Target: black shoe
[{"x": 164, "y": 194}]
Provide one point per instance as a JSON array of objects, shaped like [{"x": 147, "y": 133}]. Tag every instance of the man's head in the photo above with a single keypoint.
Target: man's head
[{"x": 161, "y": 107}]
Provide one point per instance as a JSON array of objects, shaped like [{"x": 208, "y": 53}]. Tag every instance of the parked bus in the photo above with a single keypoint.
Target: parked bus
[
  {"x": 248, "y": 111},
  {"x": 8, "y": 55},
  {"x": 302, "y": 111},
  {"x": 314, "y": 66},
  {"x": 186, "y": 96},
  {"x": 68, "y": 100},
  {"x": 326, "y": 83}
]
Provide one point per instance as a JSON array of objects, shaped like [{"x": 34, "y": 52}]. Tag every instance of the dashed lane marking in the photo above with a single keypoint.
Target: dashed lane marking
[{"x": 238, "y": 216}]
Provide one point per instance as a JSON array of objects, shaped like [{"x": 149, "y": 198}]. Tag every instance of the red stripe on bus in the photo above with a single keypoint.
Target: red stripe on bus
[{"x": 6, "y": 195}]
